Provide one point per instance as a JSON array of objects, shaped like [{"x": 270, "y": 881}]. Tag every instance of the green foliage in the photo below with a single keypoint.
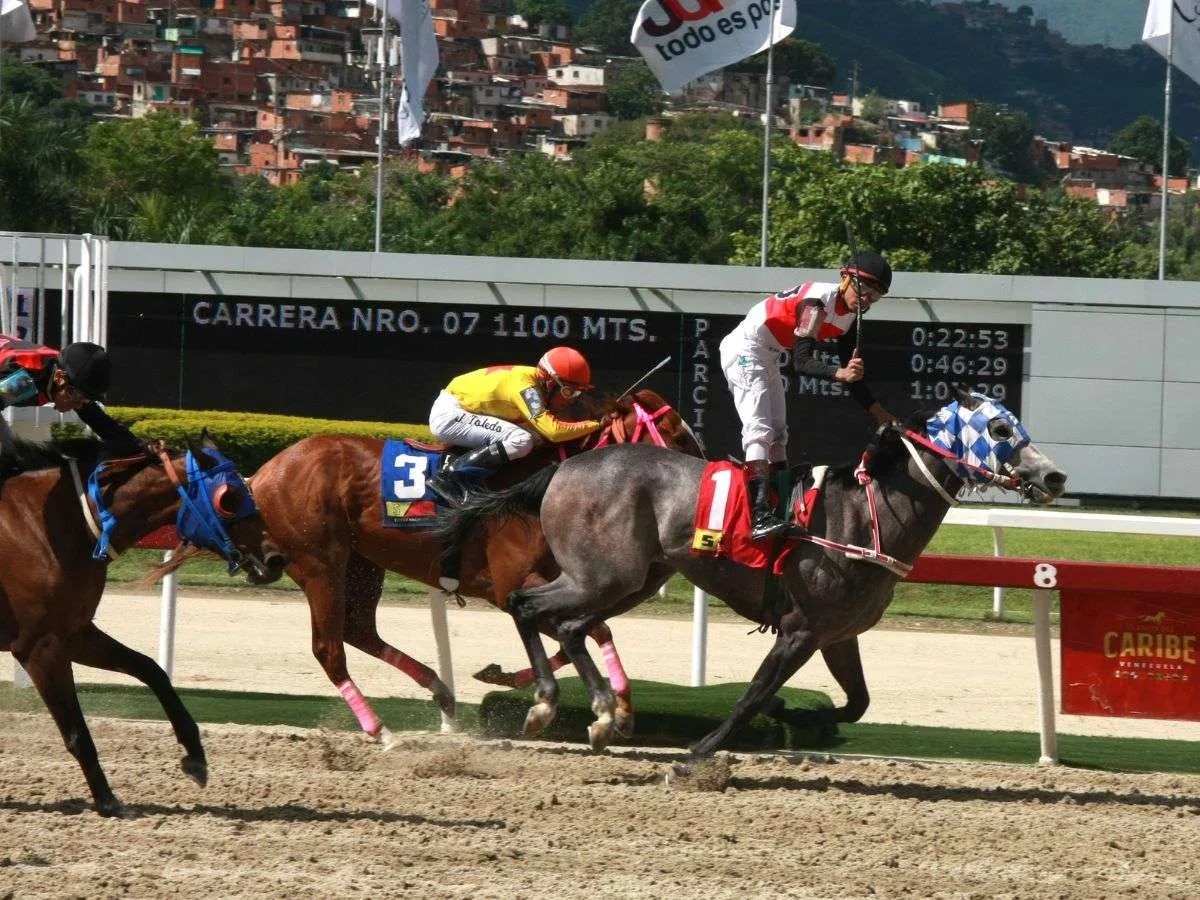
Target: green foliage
[
  {"x": 248, "y": 439},
  {"x": 535, "y": 12},
  {"x": 797, "y": 61},
  {"x": 874, "y": 107},
  {"x": 1006, "y": 139},
  {"x": 1143, "y": 139},
  {"x": 39, "y": 162},
  {"x": 634, "y": 92},
  {"x": 606, "y": 25},
  {"x": 153, "y": 178},
  {"x": 935, "y": 217}
]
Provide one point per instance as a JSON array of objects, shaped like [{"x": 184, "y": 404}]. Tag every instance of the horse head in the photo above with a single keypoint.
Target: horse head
[
  {"x": 983, "y": 444},
  {"x": 211, "y": 502},
  {"x": 643, "y": 416}
]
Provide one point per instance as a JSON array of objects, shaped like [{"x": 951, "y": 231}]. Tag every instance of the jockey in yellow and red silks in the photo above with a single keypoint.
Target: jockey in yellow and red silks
[{"x": 503, "y": 412}]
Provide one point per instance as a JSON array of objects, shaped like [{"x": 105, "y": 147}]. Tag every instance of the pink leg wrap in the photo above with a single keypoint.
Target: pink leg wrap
[
  {"x": 616, "y": 672},
  {"x": 409, "y": 666},
  {"x": 360, "y": 707}
]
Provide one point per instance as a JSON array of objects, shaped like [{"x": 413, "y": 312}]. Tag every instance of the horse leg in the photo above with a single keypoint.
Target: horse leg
[
  {"x": 493, "y": 674},
  {"x": 50, "y": 671},
  {"x": 325, "y": 587},
  {"x": 102, "y": 651},
  {"x": 845, "y": 665},
  {"x": 364, "y": 584},
  {"x": 571, "y": 635},
  {"x": 793, "y": 648},
  {"x": 545, "y": 694},
  {"x": 617, "y": 678}
]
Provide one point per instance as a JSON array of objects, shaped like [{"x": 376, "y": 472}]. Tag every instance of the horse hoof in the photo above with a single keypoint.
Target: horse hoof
[
  {"x": 493, "y": 674},
  {"x": 623, "y": 723},
  {"x": 445, "y": 701},
  {"x": 195, "y": 769},
  {"x": 112, "y": 808},
  {"x": 539, "y": 716},
  {"x": 600, "y": 734},
  {"x": 387, "y": 740}
]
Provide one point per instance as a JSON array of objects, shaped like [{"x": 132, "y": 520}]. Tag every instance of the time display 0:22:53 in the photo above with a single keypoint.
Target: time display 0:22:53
[{"x": 959, "y": 338}]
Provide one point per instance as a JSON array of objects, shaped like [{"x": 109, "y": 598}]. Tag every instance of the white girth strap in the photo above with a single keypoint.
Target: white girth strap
[
  {"x": 933, "y": 482},
  {"x": 88, "y": 516}
]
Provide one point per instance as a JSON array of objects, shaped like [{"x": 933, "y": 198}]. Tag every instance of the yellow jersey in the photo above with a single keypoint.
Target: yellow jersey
[{"x": 512, "y": 393}]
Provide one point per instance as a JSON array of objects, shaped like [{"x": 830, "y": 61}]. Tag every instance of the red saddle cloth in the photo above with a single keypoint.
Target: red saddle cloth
[{"x": 722, "y": 523}]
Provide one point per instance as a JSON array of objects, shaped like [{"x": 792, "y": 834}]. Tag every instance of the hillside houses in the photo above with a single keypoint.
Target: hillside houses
[{"x": 281, "y": 85}]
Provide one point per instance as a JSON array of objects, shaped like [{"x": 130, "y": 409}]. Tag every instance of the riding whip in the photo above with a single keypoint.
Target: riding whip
[
  {"x": 629, "y": 390},
  {"x": 857, "y": 285}
]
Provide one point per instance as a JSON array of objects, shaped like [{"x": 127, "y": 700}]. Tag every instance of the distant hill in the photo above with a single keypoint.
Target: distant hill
[
  {"x": 1114, "y": 23},
  {"x": 954, "y": 51}
]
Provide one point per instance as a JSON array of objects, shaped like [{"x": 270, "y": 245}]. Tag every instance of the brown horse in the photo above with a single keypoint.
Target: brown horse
[
  {"x": 331, "y": 531},
  {"x": 51, "y": 579}
]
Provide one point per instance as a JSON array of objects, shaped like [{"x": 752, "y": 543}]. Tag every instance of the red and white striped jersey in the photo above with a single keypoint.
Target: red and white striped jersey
[{"x": 772, "y": 321}]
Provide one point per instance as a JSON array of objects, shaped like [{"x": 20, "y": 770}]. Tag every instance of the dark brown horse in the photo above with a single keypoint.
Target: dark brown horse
[
  {"x": 51, "y": 580},
  {"x": 322, "y": 504}
]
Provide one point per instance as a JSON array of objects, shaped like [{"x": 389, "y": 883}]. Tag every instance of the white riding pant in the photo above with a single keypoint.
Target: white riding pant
[
  {"x": 458, "y": 427},
  {"x": 752, "y": 372}
]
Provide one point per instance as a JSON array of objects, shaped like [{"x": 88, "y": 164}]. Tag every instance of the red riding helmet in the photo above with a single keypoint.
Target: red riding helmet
[{"x": 566, "y": 366}]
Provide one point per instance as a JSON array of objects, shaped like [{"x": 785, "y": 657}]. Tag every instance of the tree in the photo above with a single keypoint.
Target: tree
[
  {"x": 634, "y": 92},
  {"x": 606, "y": 25},
  {"x": 1143, "y": 139},
  {"x": 1007, "y": 142},
  {"x": 126, "y": 163},
  {"x": 39, "y": 164},
  {"x": 535, "y": 12},
  {"x": 874, "y": 108},
  {"x": 798, "y": 61}
]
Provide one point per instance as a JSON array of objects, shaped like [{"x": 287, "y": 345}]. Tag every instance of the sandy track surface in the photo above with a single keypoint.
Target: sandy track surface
[
  {"x": 306, "y": 813},
  {"x": 924, "y": 678}
]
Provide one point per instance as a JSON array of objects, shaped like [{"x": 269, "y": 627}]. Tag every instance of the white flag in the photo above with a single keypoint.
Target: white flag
[
  {"x": 418, "y": 61},
  {"x": 1164, "y": 17},
  {"x": 16, "y": 24},
  {"x": 683, "y": 39}
]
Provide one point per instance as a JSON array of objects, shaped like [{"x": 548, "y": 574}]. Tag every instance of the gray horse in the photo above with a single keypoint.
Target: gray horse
[{"x": 620, "y": 521}]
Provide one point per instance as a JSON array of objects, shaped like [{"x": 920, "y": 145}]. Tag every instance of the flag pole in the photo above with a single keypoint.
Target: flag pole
[
  {"x": 384, "y": 59},
  {"x": 1166, "y": 150},
  {"x": 766, "y": 185}
]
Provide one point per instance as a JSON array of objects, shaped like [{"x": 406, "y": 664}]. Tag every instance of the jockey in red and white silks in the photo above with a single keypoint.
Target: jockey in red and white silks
[{"x": 796, "y": 320}]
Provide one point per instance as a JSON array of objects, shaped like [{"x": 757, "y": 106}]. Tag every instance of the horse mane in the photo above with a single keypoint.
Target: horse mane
[
  {"x": 884, "y": 452},
  {"x": 35, "y": 456}
]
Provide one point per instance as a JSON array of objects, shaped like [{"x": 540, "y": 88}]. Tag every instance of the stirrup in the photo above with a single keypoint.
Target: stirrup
[
  {"x": 769, "y": 528},
  {"x": 448, "y": 488}
]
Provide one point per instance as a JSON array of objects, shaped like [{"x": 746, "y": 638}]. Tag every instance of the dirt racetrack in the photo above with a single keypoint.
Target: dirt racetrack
[
  {"x": 315, "y": 814},
  {"x": 291, "y": 813}
]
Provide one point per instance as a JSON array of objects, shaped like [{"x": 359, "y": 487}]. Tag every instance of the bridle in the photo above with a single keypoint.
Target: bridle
[
  {"x": 874, "y": 554},
  {"x": 647, "y": 423}
]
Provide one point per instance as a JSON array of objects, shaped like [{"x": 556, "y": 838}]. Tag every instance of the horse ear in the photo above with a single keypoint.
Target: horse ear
[
  {"x": 206, "y": 440},
  {"x": 965, "y": 397}
]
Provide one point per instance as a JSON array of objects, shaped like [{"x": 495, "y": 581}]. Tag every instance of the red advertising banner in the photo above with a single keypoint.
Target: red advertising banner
[{"x": 1131, "y": 654}]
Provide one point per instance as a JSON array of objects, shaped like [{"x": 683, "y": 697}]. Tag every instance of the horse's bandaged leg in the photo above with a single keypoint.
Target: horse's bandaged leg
[
  {"x": 360, "y": 707},
  {"x": 616, "y": 671},
  {"x": 417, "y": 671}
]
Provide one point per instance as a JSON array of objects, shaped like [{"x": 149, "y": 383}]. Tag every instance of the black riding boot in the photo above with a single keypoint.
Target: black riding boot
[
  {"x": 764, "y": 523},
  {"x": 453, "y": 483}
]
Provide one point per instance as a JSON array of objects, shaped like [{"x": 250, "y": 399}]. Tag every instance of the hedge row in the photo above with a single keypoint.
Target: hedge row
[{"x": 249, "y": 439}]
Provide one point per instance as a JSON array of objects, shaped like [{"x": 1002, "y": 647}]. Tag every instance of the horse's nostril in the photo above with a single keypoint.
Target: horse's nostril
[
  {"x": 1056, "y": 480},
  {"x": 274, "y": 561}
]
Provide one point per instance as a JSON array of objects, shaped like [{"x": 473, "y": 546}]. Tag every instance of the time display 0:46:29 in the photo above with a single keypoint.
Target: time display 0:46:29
[{"x": 960, "y": 364}]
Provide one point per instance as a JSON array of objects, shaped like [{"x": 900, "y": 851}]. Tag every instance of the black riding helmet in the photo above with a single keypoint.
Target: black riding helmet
[
  {"x": 87, "y": 367},
  {"x": 872, "y": 266}
]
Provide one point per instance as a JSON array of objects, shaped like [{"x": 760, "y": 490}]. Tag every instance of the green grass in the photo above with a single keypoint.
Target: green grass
[
  {"x": 966, "y": 604},
  {"x": 667, "y": 716}
]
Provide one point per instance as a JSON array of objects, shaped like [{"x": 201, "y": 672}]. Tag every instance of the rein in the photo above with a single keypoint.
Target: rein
[
  {"x": 875, "y": 554},
  {"x": 102, "y": 524}
]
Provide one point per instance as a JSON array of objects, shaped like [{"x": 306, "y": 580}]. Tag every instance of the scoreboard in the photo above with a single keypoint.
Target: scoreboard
[{"x": 387, "y": 362}]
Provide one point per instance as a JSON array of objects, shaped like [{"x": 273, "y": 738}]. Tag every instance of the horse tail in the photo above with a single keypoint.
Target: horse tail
[{"x": 522, "y": 499}]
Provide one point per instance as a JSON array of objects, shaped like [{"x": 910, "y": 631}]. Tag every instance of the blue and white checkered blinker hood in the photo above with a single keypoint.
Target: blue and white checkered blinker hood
[{"x": 964, "y": 433}]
